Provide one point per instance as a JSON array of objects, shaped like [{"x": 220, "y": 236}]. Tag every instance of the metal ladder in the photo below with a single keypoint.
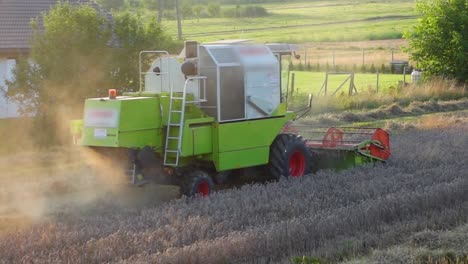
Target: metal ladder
[{"x": 171, "y": 155}]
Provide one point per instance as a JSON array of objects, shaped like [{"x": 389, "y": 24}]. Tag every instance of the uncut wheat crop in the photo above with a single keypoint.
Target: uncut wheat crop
[{"x": 330, "y": 215}]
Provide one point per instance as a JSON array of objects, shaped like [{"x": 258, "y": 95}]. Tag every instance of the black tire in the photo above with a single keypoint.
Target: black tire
[
  {"x": 197, "y": 183},
  {"x": 286, "y": 151},
  {"x": 222, "y": 177}
]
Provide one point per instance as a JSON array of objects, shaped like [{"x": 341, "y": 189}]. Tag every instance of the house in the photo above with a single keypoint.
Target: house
[{"x": 15, "y": 35}]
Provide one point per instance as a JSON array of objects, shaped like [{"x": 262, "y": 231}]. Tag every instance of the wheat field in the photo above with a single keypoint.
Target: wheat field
[{"x": 334, "y": 216}]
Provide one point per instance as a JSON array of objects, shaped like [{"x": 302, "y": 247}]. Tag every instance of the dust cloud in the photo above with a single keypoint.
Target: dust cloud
[{"x": 39, "y": 182}]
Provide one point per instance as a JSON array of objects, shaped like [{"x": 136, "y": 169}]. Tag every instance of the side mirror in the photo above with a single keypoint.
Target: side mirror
[{"x": 297, "y": 56}]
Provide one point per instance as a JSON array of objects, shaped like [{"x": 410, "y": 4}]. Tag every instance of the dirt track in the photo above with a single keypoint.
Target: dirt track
[{"x": 330, "y": 215}]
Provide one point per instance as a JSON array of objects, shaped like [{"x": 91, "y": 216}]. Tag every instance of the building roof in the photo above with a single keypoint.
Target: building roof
[{"x": 15, "y": 18}]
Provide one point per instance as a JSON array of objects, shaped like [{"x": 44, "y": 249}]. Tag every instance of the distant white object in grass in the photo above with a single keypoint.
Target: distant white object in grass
[{"x": 416, "y": 76}]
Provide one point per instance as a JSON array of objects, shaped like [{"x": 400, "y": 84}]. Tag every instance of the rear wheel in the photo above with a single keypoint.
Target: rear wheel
[
  {"x": 197, "y": 183},
  {"x": 289, "y": 157}
]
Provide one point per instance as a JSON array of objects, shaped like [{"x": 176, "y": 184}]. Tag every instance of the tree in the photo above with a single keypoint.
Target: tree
[
  {"x": 151, "y": 4},
  {"x": 179, "y": 23},
  {"x": 134, "y": 35},
  {"x": 134, "y": 3},
  {"x": 160, "y": 10},
  {"x": 112, "y": 4},
  {"x": 76, "y": 57},
  {"x": 186, "y": 10},
  {"x": 69, "y": 58},
  {"x": 197, "y": 10},
  {"x": 67, "y": 63},
  {"x": 439, "y": 43},
  {"x": 214, "y": 9}
]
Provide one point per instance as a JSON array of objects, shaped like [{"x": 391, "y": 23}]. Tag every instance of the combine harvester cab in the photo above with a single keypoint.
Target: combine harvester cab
[{"x": 214, "y": 110}]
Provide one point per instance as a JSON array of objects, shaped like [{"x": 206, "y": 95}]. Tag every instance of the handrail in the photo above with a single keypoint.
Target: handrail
[{"x": 198, "y": 78}]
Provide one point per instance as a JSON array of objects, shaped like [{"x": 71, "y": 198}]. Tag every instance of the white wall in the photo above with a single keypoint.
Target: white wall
[{"x": 8, "y": 109}]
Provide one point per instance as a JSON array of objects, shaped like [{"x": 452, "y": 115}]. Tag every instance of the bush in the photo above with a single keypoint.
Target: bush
[
  {"x": 383, "y": 69},
  {"x": 439, "y": 43},
  {"x": 230, "y": 12},
  {"x": 213, "y": 9},
  {"x": 253, "y": 11},
  {"x": 170, "y": 15},
  {"x": 248, "y": 11},
  {"x": 363, "y": 68},
  {"x": 300, "y": 66}
]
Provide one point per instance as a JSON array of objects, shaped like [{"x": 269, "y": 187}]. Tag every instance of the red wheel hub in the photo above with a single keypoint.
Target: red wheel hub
[
  {"x": 203, "y": 188},
  {"x": 297, "y": 164}
]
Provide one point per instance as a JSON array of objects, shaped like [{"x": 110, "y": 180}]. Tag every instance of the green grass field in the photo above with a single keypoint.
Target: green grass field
[
  {"x": 308, "y": 22},
  {"x": 311, "y": 82}
]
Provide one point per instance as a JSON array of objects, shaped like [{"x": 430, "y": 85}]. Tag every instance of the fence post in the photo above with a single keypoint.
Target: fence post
[
  {"x": 326, "y": 84},
  {"x": 362, "y": 56},
  {"x": 404, "y": 76},
  {"x": 351, "y": 84},
  {"x": 293, "y": 75},
  {"x": 334, "y": 65},
  {"x": 378, "y": 80},
  {"x": 306, "y": 62}
]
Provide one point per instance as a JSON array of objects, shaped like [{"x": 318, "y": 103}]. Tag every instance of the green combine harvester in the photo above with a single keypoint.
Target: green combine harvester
[{"x": 216, "y": 110}]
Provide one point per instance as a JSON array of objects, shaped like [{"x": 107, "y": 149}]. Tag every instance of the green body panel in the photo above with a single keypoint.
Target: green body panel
[
  {"x": 242, "y": 158},
  {"x": 191, "y": 110},
  {"x": 142, "y": 121},
  {"x": 136, "y": 122},
  {"x": 281, "y": 111},
  {"x": 245, "y": 143},
  {"x": 197, "y": 137},
  {"x": 249, "y": 134}
]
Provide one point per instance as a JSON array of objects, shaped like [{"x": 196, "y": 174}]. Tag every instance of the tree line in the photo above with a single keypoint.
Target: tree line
[
  {"x": 189, "y": 9},
  {"x": 170, "y": 4}
]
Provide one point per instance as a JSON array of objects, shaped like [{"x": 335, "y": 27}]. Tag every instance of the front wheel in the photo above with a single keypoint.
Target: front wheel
[
  {"x": 197, "y": 183},
  {"x": 289, "y": 157}
]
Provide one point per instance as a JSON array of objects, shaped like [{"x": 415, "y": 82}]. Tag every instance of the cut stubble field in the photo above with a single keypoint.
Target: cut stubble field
[{"x": 335, "y": 216}]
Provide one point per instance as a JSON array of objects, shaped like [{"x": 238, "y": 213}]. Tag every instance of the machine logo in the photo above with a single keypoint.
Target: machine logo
[{"x": 101, "y": 118}]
